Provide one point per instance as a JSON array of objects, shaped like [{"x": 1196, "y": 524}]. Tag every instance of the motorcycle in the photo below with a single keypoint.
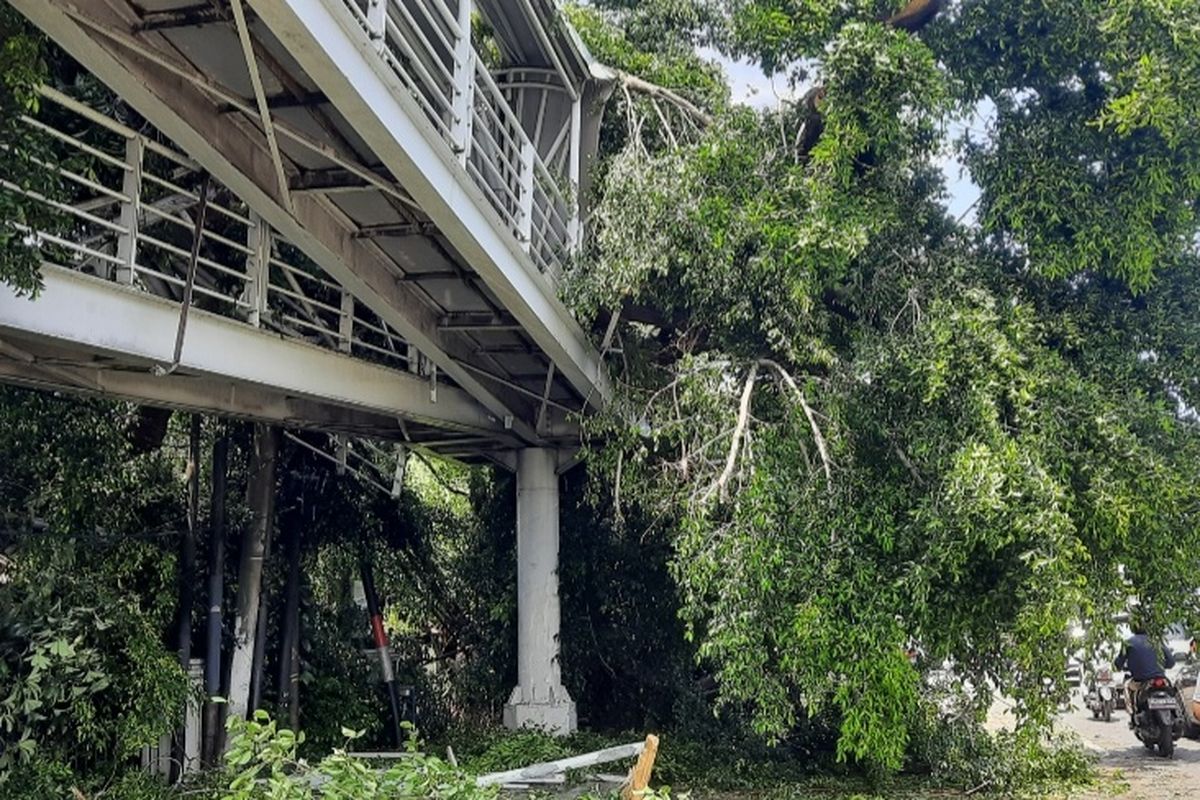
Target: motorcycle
[
  {"x": 1102, "y": 696},
  {"x": 1158, "y": 716}
]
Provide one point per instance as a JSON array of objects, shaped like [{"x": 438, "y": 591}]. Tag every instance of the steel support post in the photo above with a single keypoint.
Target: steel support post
[
  {"x": 377, "y": 23},
  {"x": 464, "y": 84},
  {"x": 346, "y": 323},
  {"x": 525, "y": 213},
  {"x": 575, "y": 224},
  {"x": 131, "y": 208},
  {"x": 258, "y": 269}
]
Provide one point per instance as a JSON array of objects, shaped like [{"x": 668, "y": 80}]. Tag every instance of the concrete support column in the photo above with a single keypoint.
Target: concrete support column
[{"x": 539, "y": 700}]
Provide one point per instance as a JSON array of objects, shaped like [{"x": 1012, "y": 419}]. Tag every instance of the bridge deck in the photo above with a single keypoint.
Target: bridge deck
[{"x": 381, "y": 193}]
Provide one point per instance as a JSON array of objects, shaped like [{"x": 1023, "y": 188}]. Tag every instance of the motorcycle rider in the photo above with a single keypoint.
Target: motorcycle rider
[{"x": 1140, "y": 658}]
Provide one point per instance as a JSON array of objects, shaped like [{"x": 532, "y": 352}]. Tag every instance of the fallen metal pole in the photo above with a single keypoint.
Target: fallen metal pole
[{"x": 547, "y": 769}]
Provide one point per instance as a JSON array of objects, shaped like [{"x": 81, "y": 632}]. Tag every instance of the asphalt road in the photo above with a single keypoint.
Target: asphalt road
[{"x": 1142, "y": 774}]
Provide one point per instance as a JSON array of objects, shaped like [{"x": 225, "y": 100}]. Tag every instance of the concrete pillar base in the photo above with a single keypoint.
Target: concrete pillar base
[
  {"x": 539, "y": 701},
  {"x": 554, "y": 713}
]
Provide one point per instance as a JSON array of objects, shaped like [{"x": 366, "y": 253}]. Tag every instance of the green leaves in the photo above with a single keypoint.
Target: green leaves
[
  {"x": 777, "y": 33},
  {"x": 264, "y": 766},
  {"x": 84, "y": 678},
  {"x": 1000, "y": 411},
  {"x": 22, "y": 71},
  {"x": 1158, "y": 87},
  {"x": 1092, "y": 161}
]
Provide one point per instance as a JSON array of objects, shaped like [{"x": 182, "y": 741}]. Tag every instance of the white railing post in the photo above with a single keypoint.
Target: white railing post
[
  {"x": 575, "y": 224},
  {"x": 377, "y": 21},
  {"x": 192, "y": 718},
  {"x": 342, "y": 441},
  {"x": 346, "y": 323},
  {"x": 398, "y": 473},
  {"x": 464, "y": 84},
  {"x": 525, "y": 195},
  {"x": 131, "y": 187},
  {"x": 258, "y": 269}
]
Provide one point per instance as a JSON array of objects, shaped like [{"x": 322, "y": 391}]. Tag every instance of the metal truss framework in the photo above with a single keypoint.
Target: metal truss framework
[
  {"x": 470, "y": 175},
  {"x": 271, "y": 337}
]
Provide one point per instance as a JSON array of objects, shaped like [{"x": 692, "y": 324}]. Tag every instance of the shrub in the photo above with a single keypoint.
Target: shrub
[
  {"x": 87, "y": 679},
  {"x": 263, "y": 764}
]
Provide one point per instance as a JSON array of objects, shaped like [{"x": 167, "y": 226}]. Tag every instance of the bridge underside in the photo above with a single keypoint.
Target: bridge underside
[
  {"x": 454, "y": 251},
  {"x": 351, "y": 225},
  {"x": 65, "y": 341}
]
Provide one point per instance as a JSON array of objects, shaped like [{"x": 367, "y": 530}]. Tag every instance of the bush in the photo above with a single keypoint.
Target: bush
[
  {"x": 87, "y": 680},
  {"x": 961, "y": 753},
  {"x": 263, "y": 764}
]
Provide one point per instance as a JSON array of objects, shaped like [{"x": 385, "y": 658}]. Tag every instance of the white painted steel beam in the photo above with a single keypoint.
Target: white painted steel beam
[
  {"x": 193, "y": 393},
  {"x": 240, "y": 159},
  {"x": 339, "y": 57},
  {"x": 222, "y": 354}
]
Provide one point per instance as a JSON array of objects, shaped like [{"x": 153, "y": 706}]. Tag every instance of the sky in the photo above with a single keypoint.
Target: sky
[{"x": 750, "y": 86}]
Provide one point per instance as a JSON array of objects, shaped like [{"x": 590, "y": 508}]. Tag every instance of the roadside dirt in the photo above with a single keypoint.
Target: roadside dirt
[
  {"x": 1131, "y": 772},
  {"x": 1134, "y": 772}
]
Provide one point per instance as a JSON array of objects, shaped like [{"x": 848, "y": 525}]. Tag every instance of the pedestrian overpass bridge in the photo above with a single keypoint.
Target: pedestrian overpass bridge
[{"x": 344, "y": 217}]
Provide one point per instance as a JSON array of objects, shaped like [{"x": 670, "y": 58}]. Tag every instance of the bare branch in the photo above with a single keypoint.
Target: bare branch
[
  {"x": 739, "y": 432},
  {"x": 907, "y": 462},
  {"x": 666, "y": 125},
  {"x": 818, "y": 437},
  {"x": 634, "y": 83}
]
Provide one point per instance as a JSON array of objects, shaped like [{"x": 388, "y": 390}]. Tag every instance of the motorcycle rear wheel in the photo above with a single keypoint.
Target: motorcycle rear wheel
[
  {"x": 1108, "y": 711},
  {"x": 1166, "y": 742}
]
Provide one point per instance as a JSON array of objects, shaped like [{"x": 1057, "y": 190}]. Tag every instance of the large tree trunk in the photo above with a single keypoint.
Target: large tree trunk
[
  {"x": 289, "y": 648},
  {"x": 187, "y": 547},
  {"x": 260, "y": 648},
  {"x": 213, "y": 728},
  {"x": 187, "y": 567},
  {"x": 261, "y": 496}
]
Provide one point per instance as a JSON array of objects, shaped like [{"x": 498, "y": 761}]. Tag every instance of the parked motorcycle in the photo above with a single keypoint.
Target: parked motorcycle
[
  {"x": 1102, "y": 696},
  {"x": 1158, "y": 716}
]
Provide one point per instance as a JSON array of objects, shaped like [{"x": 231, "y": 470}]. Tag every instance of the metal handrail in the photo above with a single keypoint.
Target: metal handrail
[
  {"x": 495, "y": 153},
  {"x": 127, "y": 226}
]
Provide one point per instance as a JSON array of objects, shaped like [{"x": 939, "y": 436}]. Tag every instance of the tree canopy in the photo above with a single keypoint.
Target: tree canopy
[
  {"x": 869, "y": 427},
  {"x": 876, "y": 426}
]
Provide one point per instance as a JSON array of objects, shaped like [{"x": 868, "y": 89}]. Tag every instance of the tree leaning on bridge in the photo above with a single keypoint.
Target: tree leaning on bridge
[{"x": 874, "y": 424}]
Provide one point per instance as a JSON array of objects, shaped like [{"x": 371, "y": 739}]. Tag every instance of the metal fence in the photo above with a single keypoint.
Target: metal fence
[
  {"x": 128, "y": 207},
  {"x": 427, "y": 46}
]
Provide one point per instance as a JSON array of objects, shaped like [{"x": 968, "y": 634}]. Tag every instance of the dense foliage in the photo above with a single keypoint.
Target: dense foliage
[
  {"x": 87, "y": 681},
  {"x": 848, "y": 426},
  {"x": 23, "y": 160},
  {"x": 885, "y": 427},
  {"x": 266, "y": 765}
]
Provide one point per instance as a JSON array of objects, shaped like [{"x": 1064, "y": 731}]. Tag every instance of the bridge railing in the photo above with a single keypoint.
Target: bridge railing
[
  {"x": 427, "y": 45},
  {"x": 127, "y": 212}
]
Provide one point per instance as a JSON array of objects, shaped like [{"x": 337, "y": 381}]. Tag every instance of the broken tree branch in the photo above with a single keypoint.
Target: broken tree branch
[
  {"x": 818, "y": 437},
  {"x": 639, "y": 776},
  {"x": 641, "y": 86},
  {"x": 739, "y": 432},
  {"x": 907, "y": 462}
]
